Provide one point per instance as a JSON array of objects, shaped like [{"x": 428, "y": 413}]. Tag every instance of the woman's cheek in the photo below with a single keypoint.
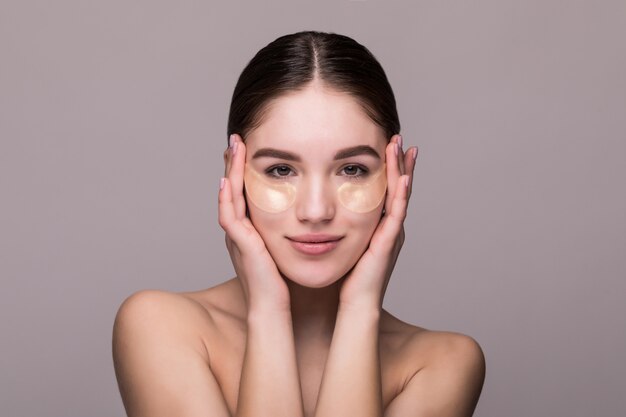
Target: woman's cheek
[
  {"x": 363, "y": 223},
  {"x": 265, "y": 222}
]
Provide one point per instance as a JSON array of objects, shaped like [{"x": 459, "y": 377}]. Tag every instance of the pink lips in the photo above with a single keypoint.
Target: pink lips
[{"x": 314, "y": 244}]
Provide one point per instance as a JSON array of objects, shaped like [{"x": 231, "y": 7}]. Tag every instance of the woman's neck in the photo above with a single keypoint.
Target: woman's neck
[{"x": 313, "y": 311}]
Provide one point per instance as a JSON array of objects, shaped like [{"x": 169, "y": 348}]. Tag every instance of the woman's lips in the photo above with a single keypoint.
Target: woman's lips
[{"x": 314, "y": 245}]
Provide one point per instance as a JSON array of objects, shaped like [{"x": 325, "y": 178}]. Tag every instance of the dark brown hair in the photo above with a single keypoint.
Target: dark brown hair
[{"x": 292, "y": 61}]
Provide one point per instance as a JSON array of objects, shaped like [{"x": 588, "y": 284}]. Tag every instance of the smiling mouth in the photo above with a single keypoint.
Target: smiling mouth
[
  {"x": 315, "y": 238},
  {"x": 315, "y": 245}
]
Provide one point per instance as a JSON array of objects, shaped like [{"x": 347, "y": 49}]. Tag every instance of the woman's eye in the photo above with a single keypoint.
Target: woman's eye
[
  {"x": 279, "y": 171},
  {"x": 354, "y": 171}
]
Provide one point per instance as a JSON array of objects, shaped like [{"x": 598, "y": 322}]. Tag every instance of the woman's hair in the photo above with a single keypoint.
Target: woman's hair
[{"x": 292, "y": 61}]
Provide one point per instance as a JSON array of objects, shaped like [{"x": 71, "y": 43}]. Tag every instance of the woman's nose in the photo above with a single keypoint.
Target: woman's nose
[{"x": 315, "y": 201}]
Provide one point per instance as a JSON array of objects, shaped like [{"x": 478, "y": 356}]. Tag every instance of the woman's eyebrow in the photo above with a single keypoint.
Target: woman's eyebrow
[
  {"x": 275, "y": 153},
  {"x": 357, "y": 150},
  {"x": 342, "y": 154}
]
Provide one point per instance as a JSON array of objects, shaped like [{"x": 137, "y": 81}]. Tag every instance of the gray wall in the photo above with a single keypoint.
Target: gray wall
[{"x": 112, "y": 125}]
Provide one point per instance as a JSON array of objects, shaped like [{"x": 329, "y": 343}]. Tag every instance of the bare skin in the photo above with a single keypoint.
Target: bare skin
[
  {"x": 317, "y": 344},
  {"x": 215, "y": 319}
]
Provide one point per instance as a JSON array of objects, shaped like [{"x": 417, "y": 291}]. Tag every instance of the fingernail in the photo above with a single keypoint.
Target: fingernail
[
  {"x": 231, "y": 140},
  {"x": 414, "y": 154},
  {"x": 400, "y": 140},
  {"x": 395, "y": 149},
  {"x": 222, "y": 182},
  {"x": 235, "y": 147}
]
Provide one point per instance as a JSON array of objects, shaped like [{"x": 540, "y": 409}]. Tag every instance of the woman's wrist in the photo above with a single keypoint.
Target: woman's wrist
[
  {"x": 364, "y": 303},
  {"x": 362, "y": 310},
  {"x": 265, "y": 314}
]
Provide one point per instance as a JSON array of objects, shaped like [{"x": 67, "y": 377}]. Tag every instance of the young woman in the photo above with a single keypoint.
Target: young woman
[{"x": 313, "y": 201}]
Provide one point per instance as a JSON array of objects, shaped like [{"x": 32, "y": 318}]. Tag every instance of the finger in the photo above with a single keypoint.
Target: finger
[
  {"x": 400, "y": 154},
  {"x": 235, "y": 175},
  {"x": 227, "y": 216},
  {"x": 409, "y": 167},
  {"x": 228, "y": 155},
  {"x": 399, "y": 202},
  {"x": 393, "y": 170},
  {"x": 396, "y": 214},
  {"x": 226, "y": 161},
  {"x": 225, "y": 210},
  {"x": 388, "y": 236}
]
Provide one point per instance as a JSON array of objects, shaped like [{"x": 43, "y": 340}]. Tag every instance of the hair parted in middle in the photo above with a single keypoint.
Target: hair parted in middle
[{"x": 293, "y": 61}]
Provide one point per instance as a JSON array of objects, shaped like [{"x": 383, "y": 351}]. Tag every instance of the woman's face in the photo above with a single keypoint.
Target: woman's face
[{"x": 315, "y": 171}]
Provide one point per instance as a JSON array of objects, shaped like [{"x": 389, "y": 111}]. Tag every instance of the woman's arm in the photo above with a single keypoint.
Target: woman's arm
[
  {"x": 351, "y": 383},
  {"x": 448, "y": 386},
  {"x": 270, "y": 384},
  {"x": 163, "y": 368},
  {"x": 161, "y": 362}
]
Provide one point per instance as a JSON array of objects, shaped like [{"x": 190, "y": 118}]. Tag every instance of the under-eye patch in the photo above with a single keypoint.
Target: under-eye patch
[
  {"x": 273, "y": 196},
  {"x": 268, "y": 195},
  {"x": 366, "y": 195}
]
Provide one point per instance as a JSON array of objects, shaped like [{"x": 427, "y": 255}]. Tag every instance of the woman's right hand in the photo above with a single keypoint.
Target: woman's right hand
[{"x": 263, "y": 285}]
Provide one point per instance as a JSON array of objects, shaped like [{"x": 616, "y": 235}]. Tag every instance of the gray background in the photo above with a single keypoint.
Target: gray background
[{"x": 112, "y": 126}]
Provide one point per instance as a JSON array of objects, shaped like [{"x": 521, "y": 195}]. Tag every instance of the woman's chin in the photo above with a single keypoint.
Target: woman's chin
[{"x": 313, "y": 279}]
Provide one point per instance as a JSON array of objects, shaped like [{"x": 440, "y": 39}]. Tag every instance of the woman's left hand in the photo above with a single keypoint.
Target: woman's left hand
[{"x": 365, "y": 284}]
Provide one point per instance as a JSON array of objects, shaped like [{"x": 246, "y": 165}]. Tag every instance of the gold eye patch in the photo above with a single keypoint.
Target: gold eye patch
[
  {"x": 365, "y": 196},
  {"x": 275, "y": 197},
  {"x": 268, "y": 195}
]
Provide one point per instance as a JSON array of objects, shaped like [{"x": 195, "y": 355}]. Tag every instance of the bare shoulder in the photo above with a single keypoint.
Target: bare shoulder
[
  {"x": 447, "y": 370},
  {"x": 156, "y": 301},
  {"x": 185, "y": 311},
  {"x": 160, "y": 311},
  {"x": 160, "y": 356},
  {"x": 430, "y": 347}
]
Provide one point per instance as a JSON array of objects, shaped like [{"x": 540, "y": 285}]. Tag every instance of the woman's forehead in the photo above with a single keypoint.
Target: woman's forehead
[{"x": 316, "y": 120}]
